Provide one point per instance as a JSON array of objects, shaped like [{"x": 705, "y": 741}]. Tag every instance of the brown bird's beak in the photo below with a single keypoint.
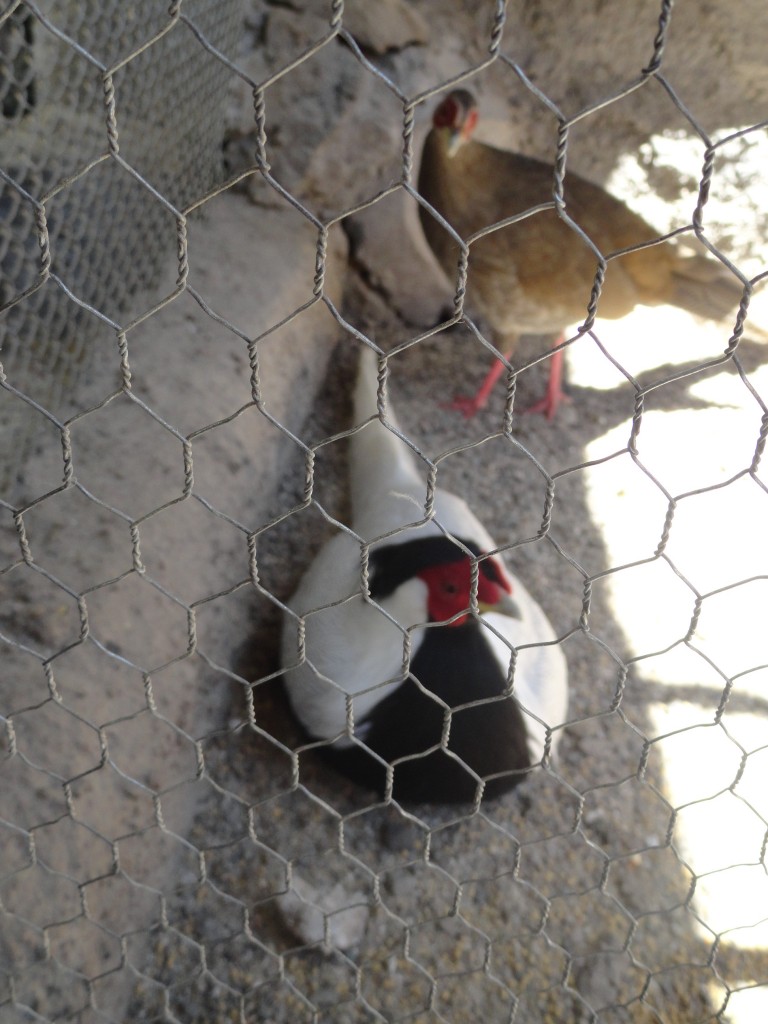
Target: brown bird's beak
[
  {"x": 506, "y": 606},
  {"x": 455, "y": 141}
]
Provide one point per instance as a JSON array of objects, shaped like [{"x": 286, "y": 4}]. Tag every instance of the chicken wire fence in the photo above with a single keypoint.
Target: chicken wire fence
[{"x": 171, "y": 848}]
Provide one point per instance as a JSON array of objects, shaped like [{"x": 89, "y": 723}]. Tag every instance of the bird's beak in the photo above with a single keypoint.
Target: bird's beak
[
  {"x": 455, "y": 141},
  {"x": 506, "y": 606}
]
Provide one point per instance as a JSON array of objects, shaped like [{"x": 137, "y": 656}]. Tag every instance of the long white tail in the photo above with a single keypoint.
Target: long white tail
[{"x": 388, "y": 488}]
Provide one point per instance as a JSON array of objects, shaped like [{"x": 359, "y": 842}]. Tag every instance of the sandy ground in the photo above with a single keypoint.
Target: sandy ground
[
  {"x": 166, "y": 857},
  {"x": 114, "y": 624},
  {"x": 565, "y": 899},
  {"x": 190, "y": 856}
]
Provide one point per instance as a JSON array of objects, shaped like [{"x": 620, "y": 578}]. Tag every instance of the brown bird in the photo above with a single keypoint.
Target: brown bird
[{"x": 535, "y": 276}]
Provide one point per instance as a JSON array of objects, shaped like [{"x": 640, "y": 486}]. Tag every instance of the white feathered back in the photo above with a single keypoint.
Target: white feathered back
[{"x": 353, "y": 649}]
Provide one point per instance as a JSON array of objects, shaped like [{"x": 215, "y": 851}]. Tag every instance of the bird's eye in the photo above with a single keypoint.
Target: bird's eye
[{"x": 450, "y": 588}]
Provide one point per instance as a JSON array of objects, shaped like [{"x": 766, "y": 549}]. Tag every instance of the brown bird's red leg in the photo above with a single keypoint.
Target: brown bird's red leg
[
  {"x": 554, "y": 396},
  {"x": 548, "y": 404},
  {"x": 470, "y": 405}
]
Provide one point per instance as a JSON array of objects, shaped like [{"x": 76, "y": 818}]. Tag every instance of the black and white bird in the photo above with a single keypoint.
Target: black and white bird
[{"x": 454, "y": 686}]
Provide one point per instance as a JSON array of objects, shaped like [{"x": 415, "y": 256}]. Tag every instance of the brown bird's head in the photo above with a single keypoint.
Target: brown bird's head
[{"x": 457, "y": 117}]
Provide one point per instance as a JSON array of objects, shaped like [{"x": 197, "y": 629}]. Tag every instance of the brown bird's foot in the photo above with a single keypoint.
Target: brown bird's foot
[
  {"x": 548, "y": 404},
  {"x": 467, "y": 405},
  {"x": 554, "y": 396},
  {"x": 470, "y": 405}
]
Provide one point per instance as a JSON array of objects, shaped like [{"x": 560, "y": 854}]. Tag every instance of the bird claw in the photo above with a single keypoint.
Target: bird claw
[
  {"x": 467, "y": 405},
  {"x": 547, "y": 405}
]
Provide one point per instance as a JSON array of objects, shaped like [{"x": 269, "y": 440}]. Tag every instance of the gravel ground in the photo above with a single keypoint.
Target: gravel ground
[
  {"x": 173, "y": 805},
  {"x": 561, "y": 901}
]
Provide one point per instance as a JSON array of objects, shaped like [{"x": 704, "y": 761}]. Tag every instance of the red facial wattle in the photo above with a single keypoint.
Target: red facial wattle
[
  {"x": 449, "y": 587},
  {"x": 470, "y": 123}
]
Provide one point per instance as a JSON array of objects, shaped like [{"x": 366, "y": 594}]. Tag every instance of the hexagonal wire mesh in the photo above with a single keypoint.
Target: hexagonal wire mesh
[
  {"x": 107, "y": 233},
  {"x": 174, "y": 852}
]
